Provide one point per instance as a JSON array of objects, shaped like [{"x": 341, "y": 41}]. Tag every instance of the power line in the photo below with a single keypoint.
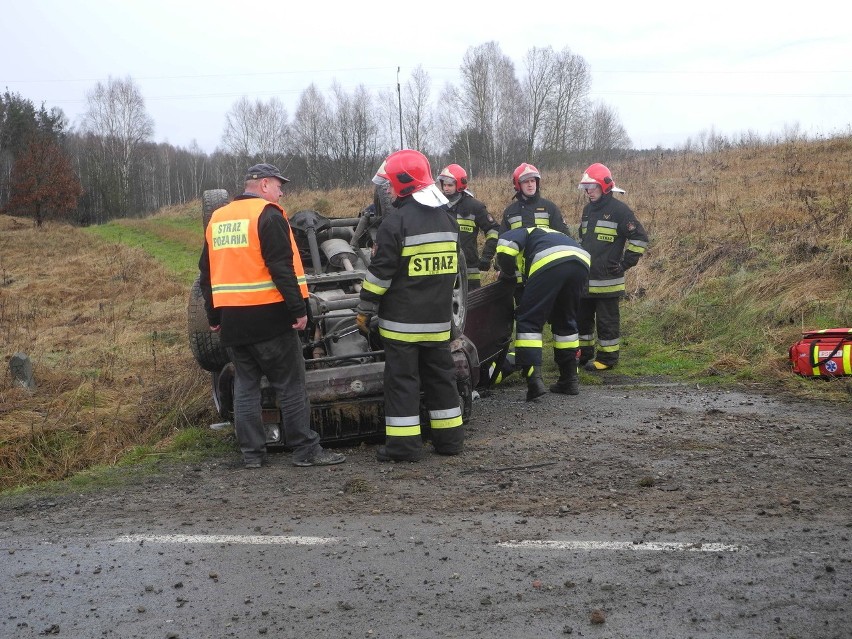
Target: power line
[
  {"x": 202, "y": 96},
  {"x": 392, "y": 70},
  {"x": 723, "y": 95},
  {"x": 675, "y": 94},
  {"x": 202, "y": 75}
]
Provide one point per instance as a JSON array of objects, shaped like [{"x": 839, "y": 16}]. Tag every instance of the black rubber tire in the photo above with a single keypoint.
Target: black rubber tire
[
  {"x": 204, "y": 343},
  {"x": 210, "y": 201},
  {"x": 459, "y": 300},
  {"x": 383, "y": 201}
]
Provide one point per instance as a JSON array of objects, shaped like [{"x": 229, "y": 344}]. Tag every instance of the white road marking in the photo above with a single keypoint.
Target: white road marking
[
  {"x": 622, "y": 545},
  {"x": 229, "y": 539},
  {"x": 281, "y": 540}
]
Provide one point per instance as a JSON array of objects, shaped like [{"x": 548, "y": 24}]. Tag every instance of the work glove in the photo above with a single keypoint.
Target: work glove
[
  {"x": 484, "y": 265},
  {"x": 366, "y": 312},
  {"x": 519, "y": 294},
  {"x": 509, "y": 280},
  {"x": 309, "y": 311}
]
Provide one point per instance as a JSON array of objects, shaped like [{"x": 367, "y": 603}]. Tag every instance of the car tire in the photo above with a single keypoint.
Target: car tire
[
  {"x": 459, "y": 300},
  {"x": 210, "y": 201},
  {"x": 205, "y": 345}
]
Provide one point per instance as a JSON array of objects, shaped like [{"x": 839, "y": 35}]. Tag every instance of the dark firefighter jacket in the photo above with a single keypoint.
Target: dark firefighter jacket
[
  {"x": 472, "y": 216},
  {"x": 527, "y": 251},
  {"x": 607, "y": 228},
  {"x": 530, "y": 212},
  {"x": 413, "y": 273}
]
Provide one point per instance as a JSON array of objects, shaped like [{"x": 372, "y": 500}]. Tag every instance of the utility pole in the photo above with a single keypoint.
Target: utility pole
[{"x": 399, "y": 99}]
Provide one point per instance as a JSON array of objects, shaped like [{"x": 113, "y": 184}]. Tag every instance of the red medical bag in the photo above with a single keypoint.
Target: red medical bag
[{"x": 825, "y": 353}]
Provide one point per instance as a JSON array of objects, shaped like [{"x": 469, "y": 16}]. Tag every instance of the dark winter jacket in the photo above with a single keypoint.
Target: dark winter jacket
[
  {"x": 413, "y": 273},
  {"x": 472, "y": 216},
  {"x": 527, "y": 251},
  {"x": 615, "y": 239},
  {"x": 535, "y": 211}
]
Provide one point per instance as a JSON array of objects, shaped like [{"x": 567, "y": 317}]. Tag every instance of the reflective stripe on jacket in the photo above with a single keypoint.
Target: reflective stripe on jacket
[
  {"x": 615, "y": 239},
  {"x": 413, "y": 272},
  {"x": 472, "y": 216},
  {"x": 532, "y": 212},
  {"x": 238, "y": 273},
  {"x": 530, "y": 250}
]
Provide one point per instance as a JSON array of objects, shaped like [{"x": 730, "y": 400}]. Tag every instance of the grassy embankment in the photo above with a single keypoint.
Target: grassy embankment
[{"x": 749, "y": 246}]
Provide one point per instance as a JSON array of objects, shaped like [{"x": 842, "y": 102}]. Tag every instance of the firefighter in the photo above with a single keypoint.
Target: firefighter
[
  {"x": 529, "y": 208},
  {"x": 554, "y": 269},
  {"x": 527, "y": 211},
  {"x": 409, "y": 287},
  {"x": 472, "y": 216},
  {"x": 254, "y": 289},
  {"x": 615, "y": 239}
]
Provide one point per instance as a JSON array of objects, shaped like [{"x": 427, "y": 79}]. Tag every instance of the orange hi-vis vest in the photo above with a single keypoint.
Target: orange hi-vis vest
[{"x": 238, "y": 274}]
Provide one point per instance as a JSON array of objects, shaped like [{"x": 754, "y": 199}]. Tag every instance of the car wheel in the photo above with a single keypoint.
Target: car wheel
[
  {"x": 459, "y": 300},
  {"x": 205, "y": 345},
  {"x": 210, "y": 201}
]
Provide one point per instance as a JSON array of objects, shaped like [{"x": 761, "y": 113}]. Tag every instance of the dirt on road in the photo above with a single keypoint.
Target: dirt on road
[
  {"x": 628, "y": 447},
  {"x": 632, "y": 461}
]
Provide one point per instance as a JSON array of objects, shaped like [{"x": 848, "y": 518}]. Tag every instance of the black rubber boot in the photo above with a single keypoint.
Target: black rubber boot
[
  {"x": 382, "y": 455},
  {"x": 569, "y": 381},
  {"x": 535, "y": 386}
]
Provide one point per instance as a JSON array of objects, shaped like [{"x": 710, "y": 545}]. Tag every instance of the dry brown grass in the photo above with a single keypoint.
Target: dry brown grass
[
  {"x": 105, "y": 328},
  {"x": 336, "y": 203},
  {"x": 772, "y": 224}
]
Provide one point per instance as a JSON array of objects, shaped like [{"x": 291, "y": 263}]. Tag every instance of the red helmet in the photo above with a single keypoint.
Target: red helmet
[
  {"x": 455, "y": 173},
  {"x": 524, "y": 172},
  {"x": 599, "y": 174},
  {"x": 410, "y": 174}
]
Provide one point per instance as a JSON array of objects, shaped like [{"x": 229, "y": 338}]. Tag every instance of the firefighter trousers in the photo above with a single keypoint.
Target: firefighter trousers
[
  {"x": 601, "y": 315},
  {"x": 410, "y": 368},
  {"x": 551, "y": 295}
]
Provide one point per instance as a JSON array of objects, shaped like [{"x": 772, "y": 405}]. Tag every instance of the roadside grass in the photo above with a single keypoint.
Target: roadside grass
[
  {"x": 104, "y": 325},
  {"x": 175, "y": 242},
  {"x": 749, "y": 247},
  {"x": 190, "y": 445}
]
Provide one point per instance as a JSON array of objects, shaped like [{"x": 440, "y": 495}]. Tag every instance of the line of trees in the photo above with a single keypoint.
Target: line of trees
[{"x": 493, "y": 119}]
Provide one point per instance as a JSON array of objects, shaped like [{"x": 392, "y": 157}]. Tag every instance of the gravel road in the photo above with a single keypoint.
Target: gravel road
[{"x": 637, "y": 509}]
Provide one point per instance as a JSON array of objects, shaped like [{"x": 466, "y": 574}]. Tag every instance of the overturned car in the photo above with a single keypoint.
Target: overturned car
[{"x": 345, "y": 369}]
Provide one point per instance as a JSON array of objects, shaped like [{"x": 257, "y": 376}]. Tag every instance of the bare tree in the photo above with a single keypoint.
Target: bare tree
[
  {"x": 352, "y": 135},
  {"x": 387, "y": 120},
  {"x": 605, "y": 130},
  {"x": 539, "y": 86},
  {"x": 567, "y": 104},
  {"x": 340, "y": 134},
  {"x": 509, "y": 116},
  {"x": 257, "y": 130},
  {"x": 196, "y": 169},
  {"x": 117, "y": 119},
  {"x": 365, "y": 134},
  {"x": 453, "y": 125},
  {"x": 310, "y": 133},
  {"x": 490, "y": 98},
  {"x": 417, "y": 120}
]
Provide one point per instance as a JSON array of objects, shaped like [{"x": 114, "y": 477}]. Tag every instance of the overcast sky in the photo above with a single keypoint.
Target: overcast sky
[{"x": 671, "y": 70}]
